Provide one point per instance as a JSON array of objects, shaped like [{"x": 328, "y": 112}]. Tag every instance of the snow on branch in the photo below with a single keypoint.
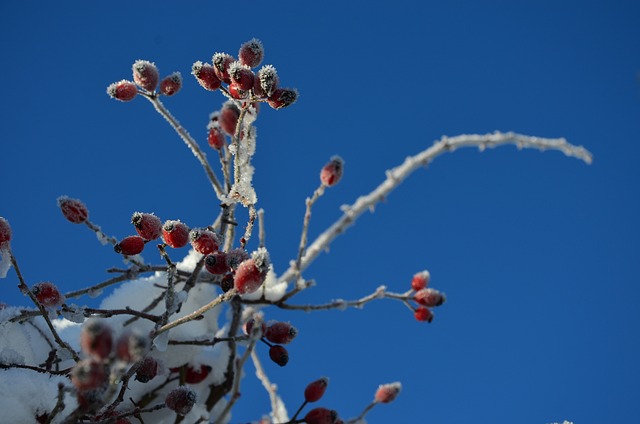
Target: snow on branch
[{"x": 398, "y": 174}]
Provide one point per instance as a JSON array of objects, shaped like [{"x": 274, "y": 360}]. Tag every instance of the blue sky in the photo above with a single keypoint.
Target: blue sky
[{"x": 538, "y": 253}]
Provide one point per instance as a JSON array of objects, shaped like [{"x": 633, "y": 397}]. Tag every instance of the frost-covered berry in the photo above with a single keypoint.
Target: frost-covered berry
[
  {"x": 148, "y": 226},
  {"x": 147, "y": 370},
  {"x": 5, "y": 231},
  {"x": 279, "y": 355},
  {"x": 387, "y": 392},
  {"x": 235, "y": 257},
  {"x": 321, "y": 416},
  {"x": 241, "y": 75},
  {"x": 204, "y": 241},
  {"x": 228, "y": 118},
  {"x": 236, "y": 92},
  {"x": 216, "y": 263},
  {"x": 47, "y": 294},
  {"x": 171, "y": 84},
  {"x": 420, "y": 280},
  {"x": 145, "y": 74},
  {"x": 269, "y": 80},
  {"x": 251, "y": 53},
  {"x": 124, "y": 90},
  {"x": 215, "y": 138},
  {"x": 175, "y": 234},
  {"x": 131, "y": 346},
  {"x": 206, "y": 76},
  {"x": 248, "y": 327},
  {"x": 281, "y": 332},
  {"x": 89, "y": 374},
  {"x": 196, "y": 374},
  {"x": 96, "y": 338},
  {"x": 181, "y": 400},
  {"x": 129, "y": 246},
  {"x": 331, "y": 173},
  {"x": 423, "y": 314},
  {"x": 248, "y": 277},
  {"x": 429, "y": 297},
  {"x": 73, "y": 209},
  {"x": 282, "y": 97},
  {"x": 315, "y": 390},
  {"x": 221, "y": 64}
]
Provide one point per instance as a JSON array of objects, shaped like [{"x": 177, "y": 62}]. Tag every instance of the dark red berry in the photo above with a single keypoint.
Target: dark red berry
[
  {"x": 235, "y": 257},
  {"x": 251, "y": 53},
  {"x": 73, "y": 209},
  {"x": 281, "y": 332},
  {"x": 226, "y": 283},
  {"x": 96, "y": 338},
  {"x": 175, "y": 234},
  {"x": 423, "y": 314},
  {"x": 279, "y": 355},
  {"x": 228, "y": 118},
  {"x": 181, "y": 400},
  {"x": 147, "y": 370},
  {"x": 387, "y": 392},
  {"x": 5, "y": 231},
  {"x": 236, "y": 92},
  {"x": 196, "y": 374},
  {"x": 216, "y": 263},
  {"x": 321, "y": 416},
  {"x": 130, "y": 246},
  {"x": 89, "y": 374},
  {"x": 203, "y": 241},
  {"x": 249, "y": 277},
  {"x": 331, "y": 173},
  {"x": 221, "y": 64},
  {"x": 215, "y": 138},
  {"x": 316, "y": 389},
  {"x": 241, "y": 75},
  {"x": 282, "y": 97},
  {"x": 206, "y": 76},
  {"x": 47, "y": 294},
  {"x": 124, "y": 90},
  {"x": 171, "y": 84},
  {"x": 420, "y": 280},
  {"x": 148, "y": 226},
  {"x": 145, "y": 74},
  {"x": 429, "y": 297}
]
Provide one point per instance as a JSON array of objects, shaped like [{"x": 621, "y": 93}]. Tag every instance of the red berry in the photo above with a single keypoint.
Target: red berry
[
  {"x": 147, "y": 370},
  {"x": 47, "y": 294},
  {"x": 216, "y": 263},
  {"x": 269, "y": 80},
  {"x": 175, "y": 234},
  {"x": 5, "y": 231},
  {"x": 248, "y": 277},
  {"x": 226, "y": 283},
  {"x": 241, "y": 75},
  {"x": 148, "y": 226},
  {"x": 73, "y": 209},
  {"x": 423, "y": 314},
  {"x": 96, "y": 338},
  {"x": 89, "y": 374},
  {"x": 228, "y": 118},
  {"x": 279, "y": 355},
  {"x": 181, "y": 400},
  {"x": 215, "y": 138},
  {"x": 331, "y": 173},
  {"x": 248, "y": 327},
  {"x": 321, "y": 416},
  {"x": 429, "y": 297},
  {"x": 204, "y": 241},
  {"x": 195, "y": 375},
  {"x": 130, "y": 246},
  {"x": 171, "y": 84},
  {"x": 315, "y": 390},
  {"x": 131, "y": 347},
  {"x": 387, "y": 392},
  {"x": 282, "y": 97},
  {"x": 206, "y": 76},
  {"x": 236, "y": 92},
  {"x": 420, "y": 280},
  {"x": 281, "y": 333},
  {"x": 251, "y": 53},
  {"x": 123, "y": 90},
  {"x": 145, "y": 74},
  {"x": 221, "y": 63}
]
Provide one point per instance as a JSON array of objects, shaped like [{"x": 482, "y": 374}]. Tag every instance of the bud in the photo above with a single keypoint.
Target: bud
[
  {"x": 145, "y": 74},
  {"x": 387, "y": 392},
  {"x": 206, "y": 76},
  {"x": 73, "y": 209},
  {"x": 331, "y": 173},
  {"x": 171, "y": 84},
  {"x": 251, "y": 53},
  {"x": 123, "y": 90},
  {"x": 282, "y": 97}
]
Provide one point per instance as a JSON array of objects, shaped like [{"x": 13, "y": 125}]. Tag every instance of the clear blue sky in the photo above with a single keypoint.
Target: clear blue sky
[{"x": 538, "y": 253}]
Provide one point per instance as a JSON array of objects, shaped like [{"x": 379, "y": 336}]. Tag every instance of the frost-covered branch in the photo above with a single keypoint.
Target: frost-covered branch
[{"x": 397, "y": 175}]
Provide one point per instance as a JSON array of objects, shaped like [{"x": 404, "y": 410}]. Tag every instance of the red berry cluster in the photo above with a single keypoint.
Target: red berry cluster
[
  {"x": 243, "y": 83},
  {"x": 275, "y": 334},
  {"x": 426, "y": 298},
  {"x": 237, "y": 269},
  {"x": 145, "y": 77}
]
